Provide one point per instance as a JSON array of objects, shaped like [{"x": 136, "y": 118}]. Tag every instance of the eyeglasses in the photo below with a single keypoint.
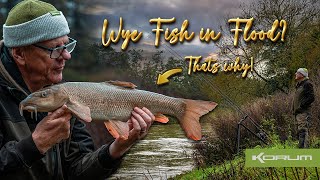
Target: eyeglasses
[{"x": 57, "y": 51}]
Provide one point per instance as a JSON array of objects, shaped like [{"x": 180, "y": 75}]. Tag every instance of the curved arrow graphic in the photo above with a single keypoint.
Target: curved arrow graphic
[{"x": 163, "y": 78}]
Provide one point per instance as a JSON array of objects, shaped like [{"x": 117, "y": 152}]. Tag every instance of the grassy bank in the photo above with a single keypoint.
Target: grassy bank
[
  {"x": 215, "y": 156},
  {"x": 235, "y": 169},
  {"x": 270, "y": 118}
]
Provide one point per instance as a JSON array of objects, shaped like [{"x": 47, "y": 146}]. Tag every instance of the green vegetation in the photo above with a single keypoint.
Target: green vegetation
[
  {"x": 265, "y": 95},
  {"x": 235, "y": 169},
  {"x": 272, "y": 114},
  {"x": 267, "y": 99}
]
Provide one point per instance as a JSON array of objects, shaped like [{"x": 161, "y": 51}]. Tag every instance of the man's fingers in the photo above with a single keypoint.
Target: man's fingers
[
  {"x": 146, "y": 110},
  {"x": 60, "y": 115},
  {"x": 130, "y": 124},
  {"x": 143, "y": 114},
  {"x": 59, "y": 112},
  {"x": 136, "y": 126},
  {"x": 147, "y": 116},
  {"x": 141, "y": 120},
  {"x": 150, "y": 114},
  {"x": 68, "y": 116}
]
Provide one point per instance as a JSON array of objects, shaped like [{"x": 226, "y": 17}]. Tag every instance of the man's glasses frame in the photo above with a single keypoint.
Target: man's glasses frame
[{"x": 57, "y": 51}]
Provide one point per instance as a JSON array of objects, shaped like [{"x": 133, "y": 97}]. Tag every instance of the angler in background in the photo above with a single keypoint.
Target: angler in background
[
  {"x": 303, "y": 98},
  {"x": 55, "y": 145}
]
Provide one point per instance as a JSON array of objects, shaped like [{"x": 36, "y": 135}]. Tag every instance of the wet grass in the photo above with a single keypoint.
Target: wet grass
[
  {"x": 236, "y": 169},
  {"x": 272, "y": 119}
]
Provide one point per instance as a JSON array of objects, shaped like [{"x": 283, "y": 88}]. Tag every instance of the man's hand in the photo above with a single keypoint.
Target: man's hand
[
  {"x": 139, "y": 124},
  {"x": 52, "y": 129}
]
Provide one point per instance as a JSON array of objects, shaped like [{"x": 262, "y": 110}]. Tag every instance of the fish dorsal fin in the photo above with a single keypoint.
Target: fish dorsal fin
[
  {"x": 122, "y": 84},
  {"x": 79, "y": 110},
  {"x": 117, "y": 128}
]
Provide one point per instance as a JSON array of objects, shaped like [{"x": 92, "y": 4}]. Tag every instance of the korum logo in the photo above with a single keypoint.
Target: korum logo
[
  {"x": 262, "y": 157},
  {"x": 282, "y": 157}
]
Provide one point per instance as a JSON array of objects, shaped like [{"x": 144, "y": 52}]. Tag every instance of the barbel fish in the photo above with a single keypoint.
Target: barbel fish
[{"x": 113, "y": 102}]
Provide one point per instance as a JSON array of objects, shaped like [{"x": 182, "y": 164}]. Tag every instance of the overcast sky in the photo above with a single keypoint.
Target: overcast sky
[{"x": 136, "y": 15}]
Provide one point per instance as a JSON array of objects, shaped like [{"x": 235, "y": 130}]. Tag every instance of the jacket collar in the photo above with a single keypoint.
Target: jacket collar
[
  {"x": 12, "y": 69},
  {"x": 299, "y": 83}
]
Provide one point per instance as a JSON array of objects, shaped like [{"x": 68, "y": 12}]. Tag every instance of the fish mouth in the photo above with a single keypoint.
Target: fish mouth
[{"x": 30, "y": 108}]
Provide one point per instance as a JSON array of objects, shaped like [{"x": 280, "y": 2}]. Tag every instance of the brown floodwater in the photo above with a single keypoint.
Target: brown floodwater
[{"x": 164, "y": 153}]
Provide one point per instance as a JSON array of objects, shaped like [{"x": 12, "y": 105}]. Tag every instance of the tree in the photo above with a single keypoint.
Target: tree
[
  {"x": 282, "y": 60},
  {"x": 277, "y": 62}
]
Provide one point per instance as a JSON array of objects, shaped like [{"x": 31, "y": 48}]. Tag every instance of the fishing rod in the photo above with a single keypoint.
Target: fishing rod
[
  {"x": 228, "y": 99},
  {"x": 235, "y": 106}
]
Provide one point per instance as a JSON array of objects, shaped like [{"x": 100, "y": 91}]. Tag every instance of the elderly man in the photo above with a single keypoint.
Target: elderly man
[
  {"x": 303, "y": 98},
  {"x": 33, "y": 55}
]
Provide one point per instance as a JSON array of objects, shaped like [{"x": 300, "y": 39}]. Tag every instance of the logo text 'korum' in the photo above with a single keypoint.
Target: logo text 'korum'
[
  {"x": 262, "y": 157},
  {"x": 282, "y": 157}
]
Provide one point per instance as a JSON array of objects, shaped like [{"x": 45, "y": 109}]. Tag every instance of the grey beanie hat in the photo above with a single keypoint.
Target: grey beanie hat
[
  {"x": 303, "y": 71},
  {"x": 32, "y": 21}
]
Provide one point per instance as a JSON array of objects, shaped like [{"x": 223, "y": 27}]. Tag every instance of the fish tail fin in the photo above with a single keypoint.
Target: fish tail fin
[{"x": 190, "y": 120}]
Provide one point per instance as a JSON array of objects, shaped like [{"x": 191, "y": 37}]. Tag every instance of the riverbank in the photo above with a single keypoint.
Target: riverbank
[{"x": 236, "y": 168}]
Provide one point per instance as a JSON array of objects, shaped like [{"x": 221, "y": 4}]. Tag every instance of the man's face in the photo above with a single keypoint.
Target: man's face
[
  {"x": 299, "y": 76},
  {"x": 41, "y": 67}
]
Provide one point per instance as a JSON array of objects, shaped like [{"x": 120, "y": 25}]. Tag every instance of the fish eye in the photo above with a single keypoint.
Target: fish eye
[{"x": 44, "y": 94}]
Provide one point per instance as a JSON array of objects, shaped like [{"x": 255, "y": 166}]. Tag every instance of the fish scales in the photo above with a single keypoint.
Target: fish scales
[{"x": 115, "y": 103}]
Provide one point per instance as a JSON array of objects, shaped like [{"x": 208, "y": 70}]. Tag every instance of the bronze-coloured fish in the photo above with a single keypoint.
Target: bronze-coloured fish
[{"x": 113, "y": 102}]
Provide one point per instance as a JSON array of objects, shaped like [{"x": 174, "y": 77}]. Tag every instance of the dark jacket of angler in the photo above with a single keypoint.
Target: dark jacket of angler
[
  {"x": 20, "y": 159},
  {"x": 303, "y": 97}
]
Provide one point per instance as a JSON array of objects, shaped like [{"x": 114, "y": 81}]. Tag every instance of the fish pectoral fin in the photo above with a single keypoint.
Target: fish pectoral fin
[
  {"x": 80, "y": 111},
  {"x": 161, "y": 118},
  {"x": 122, "y": 84},
  {"x": 117, "y": 128}
]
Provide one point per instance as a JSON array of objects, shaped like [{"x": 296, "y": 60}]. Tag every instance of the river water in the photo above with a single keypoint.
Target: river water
[{"x": 164, "y": 153}]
